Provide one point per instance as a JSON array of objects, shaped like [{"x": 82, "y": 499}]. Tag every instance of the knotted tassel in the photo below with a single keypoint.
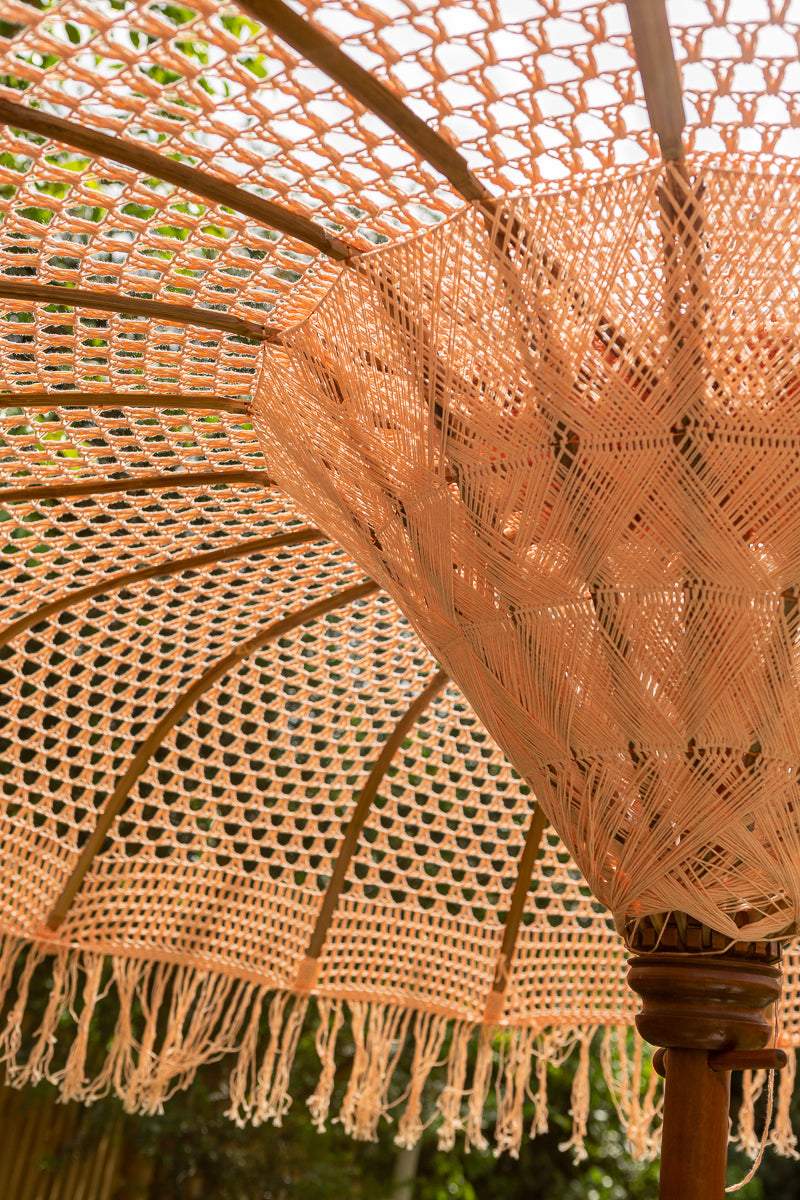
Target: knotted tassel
[
  {"x": 512, "y": 1088},
  {"x": 580, "y": 1100},
  {"x": 481, "y": 1083},
  {"x": 331, "y": 1019},
  {"x": 429, "y": 1035},
  {"x": 242, "y": 1083},
  {"x": 452, "y": 1097}
]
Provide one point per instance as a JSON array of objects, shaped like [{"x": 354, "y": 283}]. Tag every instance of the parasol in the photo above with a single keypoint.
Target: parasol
[{"x": 336, "y": 458}]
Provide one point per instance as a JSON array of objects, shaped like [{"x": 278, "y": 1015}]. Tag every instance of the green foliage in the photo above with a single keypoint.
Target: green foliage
[
  {"x": 194, "y": 1144},
  {"x": 194, "y": 1150}
]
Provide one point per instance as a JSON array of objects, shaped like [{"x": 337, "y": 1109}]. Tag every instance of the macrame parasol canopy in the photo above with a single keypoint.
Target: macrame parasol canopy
[{"x": 402, "y": 603}]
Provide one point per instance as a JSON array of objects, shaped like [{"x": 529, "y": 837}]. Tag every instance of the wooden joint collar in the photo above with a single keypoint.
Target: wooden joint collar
[{"x": 770, "y": 1059}]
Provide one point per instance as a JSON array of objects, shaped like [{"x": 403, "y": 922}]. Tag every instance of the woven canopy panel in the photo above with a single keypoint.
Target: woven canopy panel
[
  {"x": 359, "y": 495},
  {"x": 590, "y": 511}
]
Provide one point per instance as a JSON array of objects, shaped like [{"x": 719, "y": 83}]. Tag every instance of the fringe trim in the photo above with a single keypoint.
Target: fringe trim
[
  {"x": 638, "y": 1100},
  {"x": 379, "y": 1032},
  {"x": 513, "y": 1075},
  {"x": 168, "y": 1020},
  {"x": 450, "y": 1101},
  {"x": 481, "y": 1084},
  {"x": 429, "y": 1035},
  {"x": 782, "y": 1136},
  {"x": 331, "y": 1019},
  {"x": 752, "y": 1087},
  {"x": 580, "y": 1100}
]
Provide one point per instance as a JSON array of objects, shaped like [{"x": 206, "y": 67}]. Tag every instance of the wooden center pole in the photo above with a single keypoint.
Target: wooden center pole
[{"x": 694, "y": 1139}]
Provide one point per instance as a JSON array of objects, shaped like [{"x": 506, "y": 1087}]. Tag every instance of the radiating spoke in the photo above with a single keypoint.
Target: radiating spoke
[
  {"x": 175, "y": 566},
  {"x": 157, "y": 310},
  {"x": 168, "y": 481},
  {"x": 150, "y": 162},
  {"x": 307, "y": 969},
  {"x": 502, "y": 972},
  {"x": 656, "y": 62},
  {"x": 314, "y": 45},
  {"x": 49, "y": 400},
  {"x": 170, "y": 719}
]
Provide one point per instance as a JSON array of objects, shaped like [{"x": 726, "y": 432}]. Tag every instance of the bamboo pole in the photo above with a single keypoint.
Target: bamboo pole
[
  {"x": 191, "y": 179},
  {"x": 27, "y": 1140},
  {"x": 72, "y": 1176},
  {"x": 10, "y": 1117}
]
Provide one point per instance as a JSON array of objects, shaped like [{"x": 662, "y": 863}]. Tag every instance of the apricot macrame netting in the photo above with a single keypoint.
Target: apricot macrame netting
[{"x": 361, "y": 497}]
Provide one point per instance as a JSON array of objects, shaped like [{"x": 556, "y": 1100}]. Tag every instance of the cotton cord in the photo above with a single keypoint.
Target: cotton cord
[{"x": 736, "y": 1187}]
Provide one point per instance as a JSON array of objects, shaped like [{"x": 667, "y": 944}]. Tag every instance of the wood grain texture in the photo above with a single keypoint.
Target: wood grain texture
[
  {"x": 157, "y": 400},
  {"x": 659, "y": 71},
  {"x": 694, "y": 1146}
]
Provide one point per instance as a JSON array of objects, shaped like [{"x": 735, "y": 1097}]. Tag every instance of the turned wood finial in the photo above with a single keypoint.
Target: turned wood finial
[{"x": 701, "y": 993}]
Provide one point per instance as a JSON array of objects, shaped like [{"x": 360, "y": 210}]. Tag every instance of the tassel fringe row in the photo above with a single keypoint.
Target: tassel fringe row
[{"x": 154, "y": 1024}]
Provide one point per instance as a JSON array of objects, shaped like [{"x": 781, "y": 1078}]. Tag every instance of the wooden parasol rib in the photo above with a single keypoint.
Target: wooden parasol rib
[
  {"x": 50, "y": 400},
  {"x": 158, "y": 310},
  {"x": 355, "y": 825},
  {"x": 186, "y": 702},
  {"x": 150, "y": 162},
  {"x": 168, "y": 481},
  {"x": 656, "y": 62},
  {"x": 502, "y": 972},
  {"x": 175, "y": 566},
  {"x": 315, "y": 45}
]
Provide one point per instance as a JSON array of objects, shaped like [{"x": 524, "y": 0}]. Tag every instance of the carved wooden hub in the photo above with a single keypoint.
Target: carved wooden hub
[
  {"x": 694, "y": 999},
  {"x": 699, "y": 1002}
]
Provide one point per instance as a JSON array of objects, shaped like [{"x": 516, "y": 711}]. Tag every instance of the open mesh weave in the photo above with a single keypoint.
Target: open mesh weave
[
  {"x": 529, "y": 92},
  {"x": 223, "y": 852},
  {"x": 508, "y": 420}
]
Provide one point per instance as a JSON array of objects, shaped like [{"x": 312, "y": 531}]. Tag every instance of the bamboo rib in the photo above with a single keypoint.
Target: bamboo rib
[
  {"x": 511, "y": 929},
  {"x": 159, "y": 310},
  {"x": 99, "y": 487},
  {"x": 171, "y": 718},
  {"x": 365, "y": 801},
  {"x": 314, "y": 45},
  {"x": 49, "y": 400},
  {"x": 175, "y": 566},
  {"x": 656, "y": 62},
  {"x": 150, "y": 162}
]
